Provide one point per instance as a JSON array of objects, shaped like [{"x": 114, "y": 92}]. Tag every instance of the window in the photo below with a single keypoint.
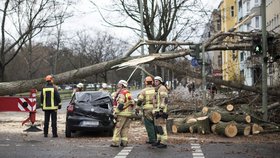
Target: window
[
  {"x": 277, "y": 19},
  {"x": 220, "y": 60},
  {"x": 232, "y": 11},
  {"x": 248, "y": 6},
  {"x": 256, "y": 2},
  {"x": 257, "y": 22},
  {"x": 242, "y": 56}
]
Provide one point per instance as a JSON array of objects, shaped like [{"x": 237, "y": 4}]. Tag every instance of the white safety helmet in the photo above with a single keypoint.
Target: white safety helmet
[
  {"x": 80, "y": 85},
  {"x": 123, "y": 82},
  {"x": 158, "y": 78},
  {"x": 104, "y": 85}
]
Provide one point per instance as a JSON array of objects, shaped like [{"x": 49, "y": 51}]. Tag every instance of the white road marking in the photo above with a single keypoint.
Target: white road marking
[
  {"x": 124, "y": 152},
  {"x": 196, "y": 152},
  {"x": 4, "y": 144}
]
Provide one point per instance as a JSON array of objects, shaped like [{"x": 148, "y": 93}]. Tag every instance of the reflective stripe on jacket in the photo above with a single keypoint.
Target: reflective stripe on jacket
[
  {"x": 161, "y": 97},
  {"x": 147, "y": 95},
  {"x": 48, "y": 101},
  {"x": 125, "y": 98}
]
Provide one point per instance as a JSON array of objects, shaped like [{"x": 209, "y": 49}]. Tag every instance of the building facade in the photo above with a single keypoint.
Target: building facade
[
  {"x": 230, "y": 62},
  {"x": 273, "y": 25},
  {"x": 250, "y": 65}
]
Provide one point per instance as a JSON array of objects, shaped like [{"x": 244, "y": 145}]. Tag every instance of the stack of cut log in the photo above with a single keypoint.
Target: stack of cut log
[{"x": 226, "y": 121}]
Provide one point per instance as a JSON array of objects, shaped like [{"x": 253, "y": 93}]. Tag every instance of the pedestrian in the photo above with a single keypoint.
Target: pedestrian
[
  {"x": 213, "y": 90},
  {"x": 160, "y": 112},
  {"x": 191, "y": 88},
  {"x": 104, "y": 88},
  {"x": 122, "y": 113},
  {"x": 79, "y": 88},
  {"x": 145, "y": 101},
  {"x": 50, "y": 102}
]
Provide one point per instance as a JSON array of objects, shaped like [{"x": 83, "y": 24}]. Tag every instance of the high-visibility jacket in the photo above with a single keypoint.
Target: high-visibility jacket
[
  {"x": 50, "y": 99},
  {"x": 161, "y": 98},
  {"x": 146, "y": 96},
  {"x": 124, "y": 97}
]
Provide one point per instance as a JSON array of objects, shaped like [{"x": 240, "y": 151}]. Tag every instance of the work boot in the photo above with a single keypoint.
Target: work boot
[
  {"x": 156, "y": 143},
  {"x": 55, "y": 136},
  {"x": 123, "y": 144},
  {"x": 113, "y": 145},
  {"x": 162, "y": 146}
]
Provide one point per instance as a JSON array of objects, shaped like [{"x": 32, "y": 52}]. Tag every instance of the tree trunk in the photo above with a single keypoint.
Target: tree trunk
[
  {"x": 25, "y": 85},
  {"x": 203, "y": 125},
  {"x": 169, "y": 124},
  {"x": 243, "y": 129},
  {"x": 228, "y": 129},
  {"x": 239, "y": 118},
  {"x": 213, "y": 128},
  {"x": 229, "y": 107},
  {"x": 256, "y": 129},
  {"x": 214, "y": 116}
]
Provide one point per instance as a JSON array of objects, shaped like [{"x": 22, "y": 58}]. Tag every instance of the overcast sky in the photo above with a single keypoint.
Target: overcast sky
[{"x": 87, "y": 19}]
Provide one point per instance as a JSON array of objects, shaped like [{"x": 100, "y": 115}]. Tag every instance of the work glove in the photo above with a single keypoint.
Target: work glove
[
  {"x": 120, "y": 107},
  {"x": 59, "y": 106}
]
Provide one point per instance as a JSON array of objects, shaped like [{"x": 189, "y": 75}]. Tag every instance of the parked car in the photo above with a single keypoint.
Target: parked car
[
  {"x": 90, "y": 111},
  {"x": 68, "y": 88}
]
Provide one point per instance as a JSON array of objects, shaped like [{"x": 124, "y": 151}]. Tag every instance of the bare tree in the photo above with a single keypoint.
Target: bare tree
[
  {"x": 21, "y": 21},
  {"x": 100, "y": 48},
  {"x": 162, "y": 19}
]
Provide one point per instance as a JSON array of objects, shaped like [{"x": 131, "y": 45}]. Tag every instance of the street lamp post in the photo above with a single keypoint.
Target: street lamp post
[
  {"x": 264, "y": 61},
  {"x": 203, "y": 76}
]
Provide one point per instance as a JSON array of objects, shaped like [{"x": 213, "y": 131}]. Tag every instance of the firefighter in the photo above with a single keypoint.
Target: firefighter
[
  {"x": 160, "y": 112},
  {"x": 122, "y": 112},
  {"x": 145, "y": 101},
  {"x": 104, "y": 88},
  {"x": 80, "y": 87},
  {"x": 50, "y": 102}
]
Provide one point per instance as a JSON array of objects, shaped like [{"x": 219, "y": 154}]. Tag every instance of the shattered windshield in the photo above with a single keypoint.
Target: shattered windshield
[
  {"x": 83, "y": 97},
  {"x": 88, "y": 97}
]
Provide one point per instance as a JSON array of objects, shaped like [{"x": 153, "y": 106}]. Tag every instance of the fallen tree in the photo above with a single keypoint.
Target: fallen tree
[{"x": 216, "y": 42}]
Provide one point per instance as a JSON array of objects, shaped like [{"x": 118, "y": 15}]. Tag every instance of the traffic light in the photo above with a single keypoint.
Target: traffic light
[{"x": 257, "y": 45}]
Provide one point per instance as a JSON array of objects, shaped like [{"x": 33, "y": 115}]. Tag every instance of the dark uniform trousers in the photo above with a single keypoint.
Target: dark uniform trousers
[{"x": 53, "y": 115}]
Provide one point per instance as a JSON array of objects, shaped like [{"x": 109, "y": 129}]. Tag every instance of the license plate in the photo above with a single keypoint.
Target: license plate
[{"x": 90, "y": 123}]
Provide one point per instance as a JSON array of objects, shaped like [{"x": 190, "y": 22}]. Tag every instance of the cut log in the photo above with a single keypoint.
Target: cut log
[
  {"x": 213, "y": 128},
  {"x": 192, "y": 120},
  {"x": 240, "y": 118},
  {"x": 229, "y": 107},
  {"x": 256, "y": 129},
  {"x": 228, "y": 129},
  {"x": 179, "y": 121},
  {"x": 205, "y": 110},
  {"x": 183, "y": 128},
  {"x": 243, "y": 129},
  {"x": 193, "y": 128},
  {"x": 169, "y": 124},
  {"x": 203, "y": 126},
  {"x": 214, "y": 116}
]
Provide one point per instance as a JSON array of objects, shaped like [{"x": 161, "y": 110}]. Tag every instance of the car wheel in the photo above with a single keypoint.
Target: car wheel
[{"x": 67, "y": 131}]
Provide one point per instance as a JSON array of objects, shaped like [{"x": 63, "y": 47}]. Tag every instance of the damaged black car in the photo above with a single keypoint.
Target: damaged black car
[{"x": 90, "y": 111}]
